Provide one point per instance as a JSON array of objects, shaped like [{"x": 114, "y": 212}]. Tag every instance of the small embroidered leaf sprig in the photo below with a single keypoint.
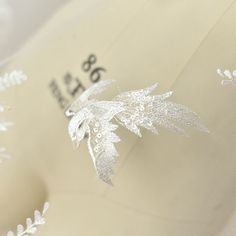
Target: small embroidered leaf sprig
[
  {"x": 8, "y": 80},
  {"x": 12, "y": 79},
  {"x": 229, "y": 75},
  {"x": 31, "y": 225},
  {"x": 4, "y": 125}
]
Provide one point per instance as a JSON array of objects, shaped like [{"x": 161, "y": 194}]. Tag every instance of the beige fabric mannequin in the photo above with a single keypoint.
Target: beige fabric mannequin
[{"x": 165, "y": 185}]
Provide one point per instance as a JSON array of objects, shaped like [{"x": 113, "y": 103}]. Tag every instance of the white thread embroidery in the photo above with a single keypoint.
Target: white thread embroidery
[
  {"x": 133, "y": 110},
  {"x": 229, "y": 75},
  {"x": 31, "y": 225},
  {"x": 7, "y": 81},
  {"x": 12, "y": 79}
]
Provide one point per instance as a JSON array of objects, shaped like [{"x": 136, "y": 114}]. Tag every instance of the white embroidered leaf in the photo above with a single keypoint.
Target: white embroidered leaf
[
  {"x": 133, "y": 109},
  {"x": 31, "y": 230},
  {"x": 31, "y": 226},
  {"x": 229, "y": 75},
  {"x": 151, "y": 112},
  {"x": 20, "y": 230},
  {"x": 82, "y": 100},
  {"x": 8, "y": 80},
  {"x": 101, "y": 142},
  {"x": 37, "y": 215},
  {"x": 45, "y": 208},
  {"x": 95, "y": 89},
  {"x": 12, "y": 79},
  {"x": 29, "y": 222},
  {"x": 78, "y": 127}
]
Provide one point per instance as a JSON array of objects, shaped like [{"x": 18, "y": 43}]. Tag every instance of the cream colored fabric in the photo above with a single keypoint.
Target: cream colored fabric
[
  {"x": 165, "y": 185},
  {"x": 15, "y": 26}
]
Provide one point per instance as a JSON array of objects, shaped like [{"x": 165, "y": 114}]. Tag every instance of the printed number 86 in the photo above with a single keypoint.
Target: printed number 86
[{"x": 95, "y": 74}]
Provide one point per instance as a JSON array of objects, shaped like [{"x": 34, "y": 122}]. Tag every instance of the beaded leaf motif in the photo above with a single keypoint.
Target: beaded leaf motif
[{"x": 133, "y": 110}]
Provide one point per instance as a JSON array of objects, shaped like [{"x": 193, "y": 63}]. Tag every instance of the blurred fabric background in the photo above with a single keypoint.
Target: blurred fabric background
[{"x": 20, "y": 19}]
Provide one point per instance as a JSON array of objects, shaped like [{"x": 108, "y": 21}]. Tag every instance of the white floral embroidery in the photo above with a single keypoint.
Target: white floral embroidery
[
  {"x": 229, "y": 75},
  {"x": 6, "y": 81},
  {"x": 133, "y": 110},
  {"x": 31, "y": 225}
]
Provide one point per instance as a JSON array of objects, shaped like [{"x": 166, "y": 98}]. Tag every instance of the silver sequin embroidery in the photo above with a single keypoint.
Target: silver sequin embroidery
[{"x": 133, "y": 110}]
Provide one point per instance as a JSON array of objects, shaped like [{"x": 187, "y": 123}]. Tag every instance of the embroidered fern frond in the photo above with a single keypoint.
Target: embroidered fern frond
[
  {"x": 4, "y": 125},
  {"x": 12, "y": 79},
  {"x": 31, "y": 224},
  {"x": 230, "y": 76},
  {"x": 6, "y": 81}
]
